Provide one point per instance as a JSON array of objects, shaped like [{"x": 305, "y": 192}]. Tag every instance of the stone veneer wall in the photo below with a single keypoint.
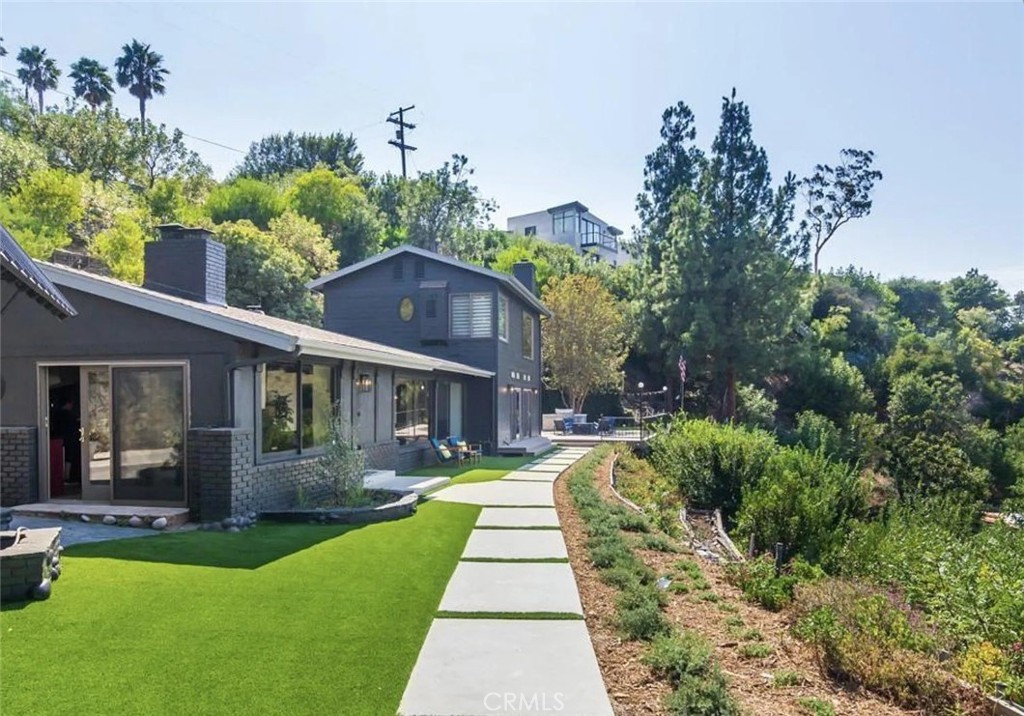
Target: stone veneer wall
[
  {"x": 19, "y": 472},
  {"x": 224, "y": 479}
]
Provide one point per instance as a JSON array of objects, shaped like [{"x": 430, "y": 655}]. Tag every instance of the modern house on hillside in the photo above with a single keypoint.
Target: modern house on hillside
[
  {"x": 573, "y": 225},
  {"x": 420, "y": 301},
  {"x": 164, "y": 395}
]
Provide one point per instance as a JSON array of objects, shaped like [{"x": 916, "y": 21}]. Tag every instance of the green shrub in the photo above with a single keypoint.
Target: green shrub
[
  {"x": 710, "y": 463},
  {"x": 760, "y": 584},
  {"x": 755, "y": 650},
  {"x": 787, "y": 677},
  {"x": 707, "y": 695},
  {"x": 633, "y": 522},
  {"x": 816, "y": 707},
  {"x": 639, "y": 612},
  {"x": 804, "y": 501},
  {"x": 658, "y": 543},
  {"x": 674, "y": 657},
  {"x": 685, "y": 661}
]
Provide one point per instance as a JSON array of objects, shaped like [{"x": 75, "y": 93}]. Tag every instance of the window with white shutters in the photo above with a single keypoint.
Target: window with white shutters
[{"x": 472, "y": 315}]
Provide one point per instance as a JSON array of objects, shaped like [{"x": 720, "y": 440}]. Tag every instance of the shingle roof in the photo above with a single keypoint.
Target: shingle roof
[
  {"x": 18, "y": 267},
  {"x": 251, "y": 325},
  {"x": 511, "y": 282}
]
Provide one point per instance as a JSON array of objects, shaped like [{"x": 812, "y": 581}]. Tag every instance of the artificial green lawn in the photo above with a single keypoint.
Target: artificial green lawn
[
  {"x": 296, "y": 619},
  {"x": 487, "y": 469}
]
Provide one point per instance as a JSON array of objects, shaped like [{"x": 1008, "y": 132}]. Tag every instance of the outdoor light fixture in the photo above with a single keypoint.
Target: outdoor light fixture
[
  {"x": 640, "y": 385},
  {"x": 365, "y": 382},
  {"x": 664, "y": 389}
]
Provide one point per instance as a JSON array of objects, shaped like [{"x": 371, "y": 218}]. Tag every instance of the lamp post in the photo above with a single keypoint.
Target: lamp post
[{"x": 668, "y": 404}]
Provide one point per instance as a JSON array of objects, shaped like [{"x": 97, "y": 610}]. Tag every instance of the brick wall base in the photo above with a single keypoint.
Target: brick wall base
[
  {"x": 225, "y": 479},
  {"x": 19, "y": 471}
]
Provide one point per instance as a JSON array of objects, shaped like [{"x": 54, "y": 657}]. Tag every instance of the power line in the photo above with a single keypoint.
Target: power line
[{"x": 399, "y": 140}]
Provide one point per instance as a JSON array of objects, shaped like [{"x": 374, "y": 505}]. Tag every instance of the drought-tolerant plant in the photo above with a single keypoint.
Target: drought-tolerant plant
[
  {"x": 710, "y": 463},
  {"x": 639, "y": 613},
  {"x": 813, "y": 706},
  {"x": 343, "y": 464},
  {"x": 685, "y": 661},
  {"x": 760, "y": 583},
  {"x": 787, "y": 677},
  {"x": 755, "y": 650},
  {"x": 658, "y": 543}
]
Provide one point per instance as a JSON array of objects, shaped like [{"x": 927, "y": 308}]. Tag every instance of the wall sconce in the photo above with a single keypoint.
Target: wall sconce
[{"x": 364, "y": 383}]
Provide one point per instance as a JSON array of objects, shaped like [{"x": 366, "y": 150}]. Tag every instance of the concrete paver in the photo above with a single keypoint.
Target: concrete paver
[
  {"x": 472, "y": 667},
  {"x": 517, "y": 517},
  {"x": 512, "y": 587},
  {"x": 515, "y": 544},
  {"x": 499, "y": 493}
]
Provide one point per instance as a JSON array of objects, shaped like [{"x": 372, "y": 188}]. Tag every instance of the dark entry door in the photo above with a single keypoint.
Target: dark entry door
[
  {"x": 149, "y": 433},
  {"x": 515, "y": 425}
]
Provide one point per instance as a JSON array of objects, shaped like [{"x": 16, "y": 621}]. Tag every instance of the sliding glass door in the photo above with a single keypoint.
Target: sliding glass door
[{"x": 148, "y": 433}]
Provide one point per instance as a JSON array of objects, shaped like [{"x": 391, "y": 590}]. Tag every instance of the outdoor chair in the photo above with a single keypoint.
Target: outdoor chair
[
  {"x": 444, "y": 453},
  {"x": 559, "y": 426},
  {"x": 606, "y": 426},
  {"x": 567, "y": 424},
  {"x": 468, "y": 452}
]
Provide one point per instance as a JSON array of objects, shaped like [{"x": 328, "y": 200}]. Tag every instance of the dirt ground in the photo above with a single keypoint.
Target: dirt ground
[{"x": 632, "y": 686}]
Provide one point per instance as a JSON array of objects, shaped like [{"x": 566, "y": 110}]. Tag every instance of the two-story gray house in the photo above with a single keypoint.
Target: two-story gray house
[
  {"x": 574, "y": 225},
  {"x": 431, "y": 304}
]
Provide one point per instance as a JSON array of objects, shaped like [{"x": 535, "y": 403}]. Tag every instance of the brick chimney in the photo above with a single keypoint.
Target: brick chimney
[
  {"x": 187, "y": 263},
  {"x": 526, "y": 272}
]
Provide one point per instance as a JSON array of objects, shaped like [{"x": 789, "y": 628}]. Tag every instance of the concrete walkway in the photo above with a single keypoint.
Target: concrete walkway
[{"x": 511, "y": 637}]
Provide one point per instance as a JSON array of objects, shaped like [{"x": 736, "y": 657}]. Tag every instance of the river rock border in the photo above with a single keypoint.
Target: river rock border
[{"x": 404, "y": 506}]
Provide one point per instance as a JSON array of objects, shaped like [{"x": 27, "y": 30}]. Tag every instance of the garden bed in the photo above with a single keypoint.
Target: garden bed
[{"x": 382, "y": 506}]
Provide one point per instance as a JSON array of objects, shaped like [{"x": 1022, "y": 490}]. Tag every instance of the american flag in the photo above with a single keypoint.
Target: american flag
[{"x": 682, "y": 370}]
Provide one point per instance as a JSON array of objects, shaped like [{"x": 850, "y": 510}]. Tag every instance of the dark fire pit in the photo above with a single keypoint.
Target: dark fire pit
[{"x": 29, "y": 563}]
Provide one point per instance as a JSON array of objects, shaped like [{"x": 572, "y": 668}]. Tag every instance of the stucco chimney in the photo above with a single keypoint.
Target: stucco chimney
[
  {"x": 188, "y": 263},
  {"x": 526, "y": 272}
]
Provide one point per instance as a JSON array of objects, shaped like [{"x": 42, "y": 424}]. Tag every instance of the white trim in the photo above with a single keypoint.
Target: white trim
[{"x": 503, "y": 301}]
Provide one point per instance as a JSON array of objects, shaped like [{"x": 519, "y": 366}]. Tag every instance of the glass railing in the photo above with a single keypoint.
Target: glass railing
[{"x": 595, "y": 238}]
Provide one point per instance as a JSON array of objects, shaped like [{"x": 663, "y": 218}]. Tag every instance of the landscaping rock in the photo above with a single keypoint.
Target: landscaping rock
[
  {"x": 159, "y": 523},
  {"x": 84, "y": 518},
  {"x": 135, "y": 521},
  {"x": 228, "y": 522},
  {"x": 54, "y": 573},
  {"x": 233, "y": 528},
  {"x": 109, "y": 520},
  {"x": 42, "y": 590}
]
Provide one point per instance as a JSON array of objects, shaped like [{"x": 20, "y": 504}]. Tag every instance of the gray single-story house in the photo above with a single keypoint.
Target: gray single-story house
[
  {"x": 417, "y": 300},
  {"x": 165, "y": 395}
]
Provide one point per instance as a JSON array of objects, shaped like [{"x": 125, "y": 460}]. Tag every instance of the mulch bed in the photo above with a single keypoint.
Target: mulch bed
[{"x": 632, "y": 686}]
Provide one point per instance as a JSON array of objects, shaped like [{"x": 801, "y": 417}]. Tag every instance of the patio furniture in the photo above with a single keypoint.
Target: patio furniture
[
  {"x": 567, "y": 424},
  {"x": 468, "y": 452},
  {"x": 584, "y": 429},
  {"x": 606, "y": 426},
  {"x": 444, "y": 454}
]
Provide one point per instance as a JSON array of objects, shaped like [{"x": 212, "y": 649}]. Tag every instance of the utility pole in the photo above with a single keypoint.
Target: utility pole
[{"x": 398, "y": 117}]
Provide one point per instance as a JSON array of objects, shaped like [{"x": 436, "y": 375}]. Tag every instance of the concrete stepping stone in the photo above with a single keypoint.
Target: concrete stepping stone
[
  {"x": 499, "y": 493},
  {"x": 512, "y": 587},
  {"x": 533, "y": 476},
  {"x": 478, "y": 667},
  {"x": 517, "y": 517},
  {"x": 540, "y": 468},
  {"x": 515, "y": 544}
]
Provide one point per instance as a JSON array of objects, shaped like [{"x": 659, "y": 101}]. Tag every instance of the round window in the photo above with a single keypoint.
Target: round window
[{"x": 406, "y": 309}]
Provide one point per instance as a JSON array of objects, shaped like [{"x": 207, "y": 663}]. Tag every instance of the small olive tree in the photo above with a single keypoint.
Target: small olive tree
[{"x": 343, "y": 463}]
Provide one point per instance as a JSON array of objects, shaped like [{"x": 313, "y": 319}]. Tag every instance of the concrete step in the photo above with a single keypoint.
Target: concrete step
[
  {"x": 415, "y": 483},
  {"x": 96, "y": 511}
]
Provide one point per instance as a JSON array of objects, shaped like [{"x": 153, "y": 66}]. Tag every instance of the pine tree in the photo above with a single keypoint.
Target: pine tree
[{"x": 733, "y": 267}]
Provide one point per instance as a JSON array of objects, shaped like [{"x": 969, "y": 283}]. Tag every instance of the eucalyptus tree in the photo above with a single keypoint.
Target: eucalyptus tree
[{"x": 142, "y": 71}]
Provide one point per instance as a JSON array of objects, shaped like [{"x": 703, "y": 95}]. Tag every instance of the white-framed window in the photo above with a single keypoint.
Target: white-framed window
[
  {"x": 472, "y": 315},
  {"x": 503, "y": 317},
  {"x": 527, "y": 336}
]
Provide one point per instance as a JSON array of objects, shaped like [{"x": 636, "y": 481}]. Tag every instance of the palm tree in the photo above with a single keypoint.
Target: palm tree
[
  {"x": 141, "y": 70},
  {"x": 38, "y": 71},
  {"x": 92, "y": 82}
]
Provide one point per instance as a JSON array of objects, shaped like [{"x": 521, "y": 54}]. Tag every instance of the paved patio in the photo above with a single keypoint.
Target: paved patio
[
  {"x": 531, "y": 664},
  {"x": 81, "y": 532}
]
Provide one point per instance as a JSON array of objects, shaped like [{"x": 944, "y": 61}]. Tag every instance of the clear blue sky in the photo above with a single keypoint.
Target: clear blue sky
[{"x": 554, "y": 103}]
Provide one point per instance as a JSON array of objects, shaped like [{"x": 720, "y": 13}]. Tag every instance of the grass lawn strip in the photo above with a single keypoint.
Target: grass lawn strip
[
  {"x": 280, "y": 618},
  {"x": 510, "y": 615}
]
